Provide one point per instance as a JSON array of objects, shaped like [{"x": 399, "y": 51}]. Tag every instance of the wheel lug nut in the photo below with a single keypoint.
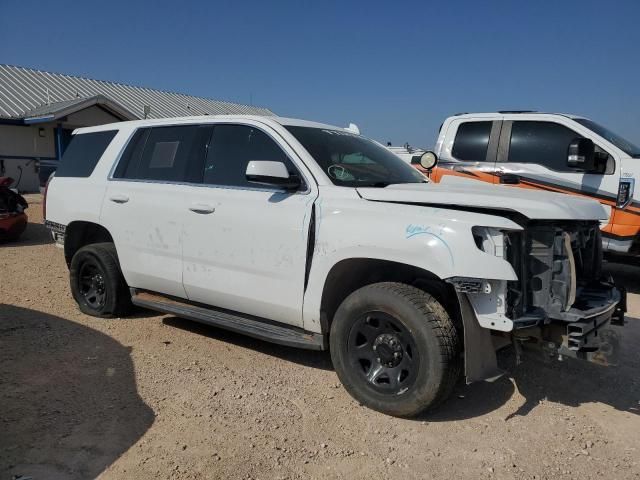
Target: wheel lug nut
[
  {"x": 375, "y": 348},
  {"x": 396, "y": 355},
  {"x": 379, "y": 361}
]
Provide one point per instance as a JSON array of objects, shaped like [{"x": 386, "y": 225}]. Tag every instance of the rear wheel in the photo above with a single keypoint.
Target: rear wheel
[
  {"x": 395, "y": 349},
  {"x": 97, "y": 283}
]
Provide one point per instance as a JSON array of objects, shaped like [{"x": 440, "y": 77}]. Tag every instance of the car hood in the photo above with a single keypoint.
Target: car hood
[{"x": 533, "y": 204}]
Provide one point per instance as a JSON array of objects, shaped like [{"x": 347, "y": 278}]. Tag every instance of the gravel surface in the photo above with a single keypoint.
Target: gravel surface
[{"x": 155, "y": 396}]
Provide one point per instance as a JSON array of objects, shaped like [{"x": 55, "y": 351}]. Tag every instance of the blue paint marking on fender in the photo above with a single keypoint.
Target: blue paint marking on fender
[{"x": 414, "y": 230}]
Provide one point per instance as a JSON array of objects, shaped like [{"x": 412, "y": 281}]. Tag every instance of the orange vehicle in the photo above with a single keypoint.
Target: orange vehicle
[
  {"x": 13, "y": 220},
  {"x": 552, "y": 152}
]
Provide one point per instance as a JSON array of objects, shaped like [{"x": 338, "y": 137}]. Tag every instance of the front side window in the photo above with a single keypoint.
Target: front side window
[
  {"x": 172, "y": 154},
  {"x": 542, "y": 143},
  {"x": 472, "y": 141},
  {"x": 232, "y": 147},
  {"x": 353, "y": 161},
  {"x": 83, "y": 153}
]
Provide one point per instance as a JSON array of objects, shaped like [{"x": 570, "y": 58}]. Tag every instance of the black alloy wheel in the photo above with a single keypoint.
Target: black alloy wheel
[
  {"x": 92, "y": 286},
  {"x": 384, "y": 352}
]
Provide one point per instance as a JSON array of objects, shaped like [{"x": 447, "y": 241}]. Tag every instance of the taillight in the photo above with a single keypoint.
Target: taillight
[
  {"x": 625, "y": 192},
  {"x": 44, "y": 197}
]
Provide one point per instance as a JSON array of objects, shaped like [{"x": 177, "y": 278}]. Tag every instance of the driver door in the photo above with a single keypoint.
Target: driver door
[{"x": 535, "y": 156}]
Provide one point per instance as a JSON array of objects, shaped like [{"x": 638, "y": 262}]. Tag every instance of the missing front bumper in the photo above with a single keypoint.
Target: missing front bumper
[{"x": 593, "y": 338}]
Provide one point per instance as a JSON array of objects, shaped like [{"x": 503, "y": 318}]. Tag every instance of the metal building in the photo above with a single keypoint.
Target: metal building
[{"x": 39, "y": 110}]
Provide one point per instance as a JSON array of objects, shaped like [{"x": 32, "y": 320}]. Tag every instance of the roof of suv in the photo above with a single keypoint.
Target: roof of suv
[
  {"x": 209, "y": 118},
  {"x": 510, "y": 112}
]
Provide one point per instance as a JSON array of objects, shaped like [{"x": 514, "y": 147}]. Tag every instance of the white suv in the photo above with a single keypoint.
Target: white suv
[{"x": 309, "y": 235}]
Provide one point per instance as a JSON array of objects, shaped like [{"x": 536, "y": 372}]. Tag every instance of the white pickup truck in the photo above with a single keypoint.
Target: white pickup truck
[
  {"x": 310, "y": 235},
  {"x": 550, "y": 152}
]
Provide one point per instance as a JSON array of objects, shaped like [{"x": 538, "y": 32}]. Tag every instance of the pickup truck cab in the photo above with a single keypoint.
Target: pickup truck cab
[
  {"x": 313, "y": 236},
  {"x": 551, "y": 152}
]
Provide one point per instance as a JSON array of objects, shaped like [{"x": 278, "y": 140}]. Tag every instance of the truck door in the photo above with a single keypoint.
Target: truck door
[
  {"x": 533, "y": 154},
  {"x": 245, "y": 245},
  {"x": 470, "y": 150}
]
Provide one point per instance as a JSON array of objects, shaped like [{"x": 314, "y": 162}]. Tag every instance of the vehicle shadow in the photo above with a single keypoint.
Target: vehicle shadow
[
  {"x": 570, "y": 382},
  {"x": 68, "y": 400},
  {"x": 308, "y": 358}
]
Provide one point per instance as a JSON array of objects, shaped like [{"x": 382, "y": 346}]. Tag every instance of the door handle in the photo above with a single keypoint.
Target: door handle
[
  {"x": 509, "y": 179},
  {"x": 202, "y": 208},
  {"x": 119, "y": 198}
]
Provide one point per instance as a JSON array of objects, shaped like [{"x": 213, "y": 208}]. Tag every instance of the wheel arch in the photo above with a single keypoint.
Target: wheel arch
[
  {"x": 348, "y": 275},
  {"x": 80, "y": 233}
]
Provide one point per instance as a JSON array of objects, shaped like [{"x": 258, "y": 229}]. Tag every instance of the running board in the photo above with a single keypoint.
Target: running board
[{"x": 255, "y": 327}]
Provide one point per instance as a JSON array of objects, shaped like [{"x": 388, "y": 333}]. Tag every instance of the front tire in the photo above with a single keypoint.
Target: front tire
[
  {"x": 97, "y": 284},
  {"x": 395, "y": 349}
]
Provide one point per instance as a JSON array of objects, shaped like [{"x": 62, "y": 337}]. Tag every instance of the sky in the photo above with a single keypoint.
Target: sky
[{"x": 396, "y": 69}]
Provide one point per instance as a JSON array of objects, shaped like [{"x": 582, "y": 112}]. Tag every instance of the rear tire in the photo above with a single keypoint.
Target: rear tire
[
  {"x": 416, "y": 361},
  {"x": 97, "y": 284}
]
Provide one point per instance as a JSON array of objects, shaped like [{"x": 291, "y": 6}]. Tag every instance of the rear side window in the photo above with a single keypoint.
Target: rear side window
[
  {"x": 172, "y": 154},
  {"x": 543, "y": 143},
  {"x": 232, "y": 148},
  {"x": 83, "y": 153},
  {"x": 472, "y": 141}
]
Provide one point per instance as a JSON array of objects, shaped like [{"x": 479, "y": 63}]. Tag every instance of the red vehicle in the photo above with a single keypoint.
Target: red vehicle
[{"x": 13, "y": 220}]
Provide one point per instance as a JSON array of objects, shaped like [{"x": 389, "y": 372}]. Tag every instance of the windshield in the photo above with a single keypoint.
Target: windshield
[
  {"x": 353, "y": 161},
  {"x": 624, "y": 145}
]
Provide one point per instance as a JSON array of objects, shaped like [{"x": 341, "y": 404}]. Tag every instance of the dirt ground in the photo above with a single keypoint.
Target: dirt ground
[{"x": 159, "y": 397}]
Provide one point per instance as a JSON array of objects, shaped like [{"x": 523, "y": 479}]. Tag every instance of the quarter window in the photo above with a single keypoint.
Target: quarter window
[
  {"x": 543, "y": 143},
  {"x": 83, "y": 153},
  {"x": 232, "y": 147},
  {"x": 472, "y": 141}
]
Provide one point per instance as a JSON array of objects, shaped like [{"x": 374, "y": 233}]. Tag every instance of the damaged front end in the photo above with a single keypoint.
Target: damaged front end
[
  {"x": 560, "y": 281},
  {"x": 560, "y": 305}
]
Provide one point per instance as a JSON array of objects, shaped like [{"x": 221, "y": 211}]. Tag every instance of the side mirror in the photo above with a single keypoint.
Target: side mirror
[
  {"x": 427, "y": 160},
  {"x": 581, "y": 155},
  {"x": 271, "y": 173}
]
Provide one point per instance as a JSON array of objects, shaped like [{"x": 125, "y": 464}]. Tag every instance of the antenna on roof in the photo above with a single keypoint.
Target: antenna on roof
[{"x": 147, "y": 110}]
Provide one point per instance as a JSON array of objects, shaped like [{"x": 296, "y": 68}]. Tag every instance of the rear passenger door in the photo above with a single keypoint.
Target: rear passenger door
[
  {"x": 245, "y": 245},
  {"x": 144, "y": 203},
  {"x": 470, "y": 150}
]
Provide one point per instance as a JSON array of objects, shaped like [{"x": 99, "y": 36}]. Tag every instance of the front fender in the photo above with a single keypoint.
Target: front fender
[{"x": 433, "y": 239}]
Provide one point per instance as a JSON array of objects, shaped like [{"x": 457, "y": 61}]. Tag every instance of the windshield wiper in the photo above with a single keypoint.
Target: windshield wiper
[{"x": 386, "y": 184}]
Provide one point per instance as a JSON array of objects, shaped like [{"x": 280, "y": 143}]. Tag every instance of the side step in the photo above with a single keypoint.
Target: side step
[{"x": 236, "y": 322}]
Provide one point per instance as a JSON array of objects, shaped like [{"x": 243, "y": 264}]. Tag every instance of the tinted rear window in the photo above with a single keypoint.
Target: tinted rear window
[
  {"x": 472, "y": 141},
  {"x": 171, "y": 154},
  {"x": 83, "y": 153}
]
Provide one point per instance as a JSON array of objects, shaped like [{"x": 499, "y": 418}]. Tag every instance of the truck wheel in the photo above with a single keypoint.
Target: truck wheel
[
  {"x": 97, "y": 283},
  {"x": 395, "y": 349}
]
